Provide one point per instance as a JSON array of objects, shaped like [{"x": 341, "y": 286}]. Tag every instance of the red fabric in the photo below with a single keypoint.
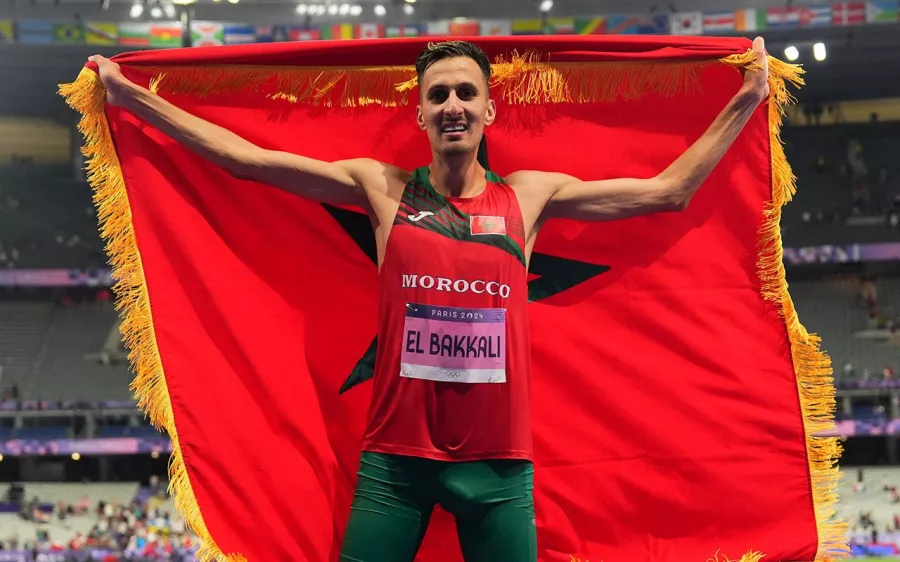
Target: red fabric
[{"x": 666, "y": 418}]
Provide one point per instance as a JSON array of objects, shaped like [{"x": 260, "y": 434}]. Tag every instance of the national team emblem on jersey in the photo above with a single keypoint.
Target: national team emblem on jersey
[{"x": 487, "y": 225}]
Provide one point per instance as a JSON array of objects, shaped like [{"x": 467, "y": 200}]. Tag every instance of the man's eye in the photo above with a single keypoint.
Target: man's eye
[{"x": 439, "y": 96}]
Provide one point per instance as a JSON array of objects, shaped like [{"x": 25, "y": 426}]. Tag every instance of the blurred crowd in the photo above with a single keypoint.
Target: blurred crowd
[
  {"x": 866, "y": 530},
  {"x": 138, "y": 531}
]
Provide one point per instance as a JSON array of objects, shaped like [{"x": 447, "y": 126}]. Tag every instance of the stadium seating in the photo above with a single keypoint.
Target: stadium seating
[
  {"x": 871, "y": 497},
  {"x": 127, "y": 431},
  {"x": 23, "y": 330},
  {"x": 43, "y": 432},
  {"x": 48, "y": 219},
  {"x": 52, "y": 492},
  {"x": 821, "y": 160},
  {"x": 44, "y": 349},
  {"x": 65, "y": 373},
  {"x": 829, "y": 308}
]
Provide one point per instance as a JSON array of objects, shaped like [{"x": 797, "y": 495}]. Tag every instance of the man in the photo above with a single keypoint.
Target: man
[{"x": 449, "y": 420}]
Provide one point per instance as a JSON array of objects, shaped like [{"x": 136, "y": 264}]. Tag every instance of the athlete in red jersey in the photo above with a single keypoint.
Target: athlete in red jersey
[
  {"x": 452, "y": 315},
  {"x": 449, "y": 421}
]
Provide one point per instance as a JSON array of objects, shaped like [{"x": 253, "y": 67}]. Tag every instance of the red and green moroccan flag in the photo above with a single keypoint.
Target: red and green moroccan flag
[{"x": 676, "y": 397}]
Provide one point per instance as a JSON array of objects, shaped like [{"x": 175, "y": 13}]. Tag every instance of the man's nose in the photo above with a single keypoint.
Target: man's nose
[{"x": 453, "y": 107}]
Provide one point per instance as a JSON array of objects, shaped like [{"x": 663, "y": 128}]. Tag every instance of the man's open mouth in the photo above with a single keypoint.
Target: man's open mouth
[{"x": 454, "y": 127}]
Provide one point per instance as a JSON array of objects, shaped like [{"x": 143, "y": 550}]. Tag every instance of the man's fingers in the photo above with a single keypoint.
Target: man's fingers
[{"x": 759, "y": 45}]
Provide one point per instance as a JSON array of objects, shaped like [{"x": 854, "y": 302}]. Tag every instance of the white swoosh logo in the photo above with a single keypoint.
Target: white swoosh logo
[{"x": 420, "y": 216}]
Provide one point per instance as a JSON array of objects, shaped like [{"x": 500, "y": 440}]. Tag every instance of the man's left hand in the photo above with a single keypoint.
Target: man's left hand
[{"x": 756, "y": 80}]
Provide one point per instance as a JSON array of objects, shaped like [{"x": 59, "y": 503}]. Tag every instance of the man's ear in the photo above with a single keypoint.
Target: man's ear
[
  {"x": 491, "y": 113},
  {"x": 420, "y": 118}
]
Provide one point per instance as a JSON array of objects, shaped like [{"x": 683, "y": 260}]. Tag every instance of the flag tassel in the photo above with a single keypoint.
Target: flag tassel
[
  {"x": 87, "y": 96},
  {"x": 521, "y": 79},
  {"x": 812, "y": 366}
]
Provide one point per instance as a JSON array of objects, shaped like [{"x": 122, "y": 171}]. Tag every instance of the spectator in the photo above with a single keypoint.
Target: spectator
[{"x": 868, "y": 293}]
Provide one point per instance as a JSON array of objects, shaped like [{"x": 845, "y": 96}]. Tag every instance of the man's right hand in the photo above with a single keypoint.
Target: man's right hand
[{"x": 111, "y": 75}]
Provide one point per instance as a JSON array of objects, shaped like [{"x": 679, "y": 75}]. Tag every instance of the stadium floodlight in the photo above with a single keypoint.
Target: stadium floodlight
[
  {"x": 546, "y": 5},
  {"x": 137, "y": 10},
  {"x": 410, "y": 1},
  {"x": 819, "y": 51},
  {"x": 380, "y": 10},
  {"x": 344, "y": 9},
  {"x": 301, "y": 9},
  {"x": 791, "y": 53},
  {"x": 356, "y": 10},
  {"x": 408, "y": 9},
  {"x": 169, "y": 9},
  {"x": 333, "y": 9},
  {"x": 156, "y": 11}
]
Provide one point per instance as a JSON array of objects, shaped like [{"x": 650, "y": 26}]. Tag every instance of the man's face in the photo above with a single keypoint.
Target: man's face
[{"x": 454, "y": 107}]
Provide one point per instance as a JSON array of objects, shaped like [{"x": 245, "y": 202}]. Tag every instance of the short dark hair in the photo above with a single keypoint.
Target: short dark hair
[{"x": 451, "y": 49}]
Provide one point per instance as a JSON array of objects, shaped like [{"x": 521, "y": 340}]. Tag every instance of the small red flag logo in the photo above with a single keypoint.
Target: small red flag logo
[{"x": 487, "y": 225}]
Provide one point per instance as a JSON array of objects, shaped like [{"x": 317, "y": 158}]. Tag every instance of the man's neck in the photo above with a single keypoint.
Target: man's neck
[{"x": 459, "y": 175}]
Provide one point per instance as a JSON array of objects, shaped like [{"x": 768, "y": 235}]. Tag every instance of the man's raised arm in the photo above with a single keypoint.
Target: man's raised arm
[
  {"x": 345, "y": 182},
  {"x": 673, "y": 188}
]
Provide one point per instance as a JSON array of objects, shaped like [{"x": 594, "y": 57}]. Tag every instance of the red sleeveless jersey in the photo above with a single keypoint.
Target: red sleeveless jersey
[{"x": 452, "y": 373}]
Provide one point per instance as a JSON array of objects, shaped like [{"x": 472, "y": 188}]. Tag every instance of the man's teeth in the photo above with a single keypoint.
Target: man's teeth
[{"x": 454, "y": 128}]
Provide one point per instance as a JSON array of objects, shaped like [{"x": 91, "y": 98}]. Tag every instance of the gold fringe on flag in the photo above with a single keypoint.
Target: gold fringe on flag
[
  {"x": 87, "y": 96},
  {"x": 326, "y": 86},
  {"x": 812, "y": 366},
  {"x": 523, "y": 79}
]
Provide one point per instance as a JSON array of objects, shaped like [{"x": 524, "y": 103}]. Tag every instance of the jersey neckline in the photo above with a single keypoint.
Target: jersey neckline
[{"x": 421, "y": 177}]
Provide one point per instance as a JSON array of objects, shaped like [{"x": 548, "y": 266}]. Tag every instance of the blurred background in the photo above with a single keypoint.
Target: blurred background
[{"x": 82, "y": 475}]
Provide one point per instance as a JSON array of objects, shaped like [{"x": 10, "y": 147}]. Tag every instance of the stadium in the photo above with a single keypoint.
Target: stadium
[{"x": 84, "y": 475}]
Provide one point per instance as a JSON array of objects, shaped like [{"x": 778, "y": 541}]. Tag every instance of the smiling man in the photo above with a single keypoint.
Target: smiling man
[{"x": 449, "y": 422}]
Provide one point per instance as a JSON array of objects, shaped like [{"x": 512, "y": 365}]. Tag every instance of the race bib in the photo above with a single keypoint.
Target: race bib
[{"x": 448, "y": 344}]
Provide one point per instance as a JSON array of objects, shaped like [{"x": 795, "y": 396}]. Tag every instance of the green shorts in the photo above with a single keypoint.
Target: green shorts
[{"x": 492, "y": 501}]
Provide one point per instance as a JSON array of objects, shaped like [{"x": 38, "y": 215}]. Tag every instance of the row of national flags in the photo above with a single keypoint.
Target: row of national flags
[
  {"x": 207, "y": 33},
  {"x": 757, "y": 19}
]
